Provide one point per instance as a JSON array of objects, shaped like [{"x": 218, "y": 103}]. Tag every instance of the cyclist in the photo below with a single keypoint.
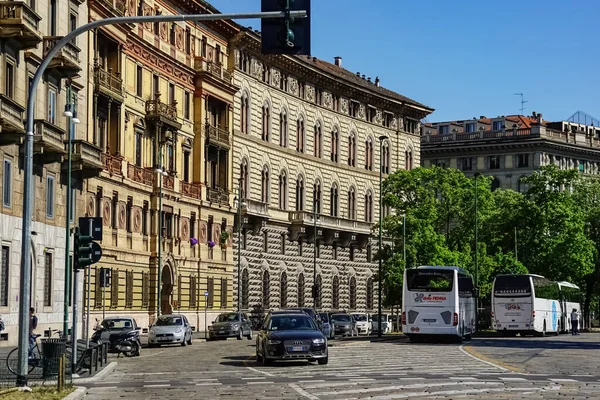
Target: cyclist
[{"x": 33, "y": 322}]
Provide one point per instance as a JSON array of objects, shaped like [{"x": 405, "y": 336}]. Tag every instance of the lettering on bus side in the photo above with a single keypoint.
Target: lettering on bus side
[{"x": 427, "y": 298}]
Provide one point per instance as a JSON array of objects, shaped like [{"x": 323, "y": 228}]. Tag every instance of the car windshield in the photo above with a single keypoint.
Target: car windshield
[
  {"x": 429, "y": 280},
  {"x": 324, "y": 317},
  {"x": 291, "y": 323},
  {"x": 229, "y": 317},
  {"x": 118, "y": 323},
  {"x": 383, "y": 318},
  {"x": 360, "y": 317},
  {"x": 341, "y": 317},
  {"x": 167, "y": 321}
]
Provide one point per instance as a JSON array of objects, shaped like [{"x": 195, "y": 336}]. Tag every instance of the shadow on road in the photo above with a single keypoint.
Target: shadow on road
[{"x": 532, "y": 343}]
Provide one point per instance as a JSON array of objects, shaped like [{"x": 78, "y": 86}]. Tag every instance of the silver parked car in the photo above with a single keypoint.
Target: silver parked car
[
  {"x": 170, "y": 329},
  {"x": 231, "y": 324}
]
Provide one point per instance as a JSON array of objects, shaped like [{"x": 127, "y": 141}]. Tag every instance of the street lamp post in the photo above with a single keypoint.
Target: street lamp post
[
  {"x": 404, "y": 238},
  {"x": 477, "y": 175},
  {"x": 161, "y": 172},
  {"x": 239, "y": 244},
  {"x": 379, "y": 323},
  {"x": 315, "y": 251}
]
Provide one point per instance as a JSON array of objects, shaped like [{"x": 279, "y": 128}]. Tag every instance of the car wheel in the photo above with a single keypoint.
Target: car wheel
[
  {"x": 266, "y": 362},
  {"x": 249, "y": 336},
  {"x": 240, "y": 335},
  {"x": 258, "y": 356},
  {"x": 190, "y": 341},
  {"x": 184, "y": 342},
  {"x": 323, "y": 361}
]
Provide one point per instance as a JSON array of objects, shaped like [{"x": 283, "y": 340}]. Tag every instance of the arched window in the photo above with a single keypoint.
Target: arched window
[
  {"x": 300, "y": 135},
  {"x": 244, "y": 178},
  {"x": 369, "y": 154},
  {"x": 299, "y": 194},
  {"x": 265, "y": 183},
  {"x": 333, "y": 200},
  {"x": 318, "y": 289},
  {"x": 385, "y": 157},
  {"x": 301, "y": 290},
  {"x": 335, "y": 293},
  {"x": 369, "y": 206},
  {"x": 318, "y": 145},
  {"x": 283, "y": 129},
  {"x": 351, "y": 203},
  {"x": 408, "y": 159},
  {"x": 266, "y": 122},
  {"x": 317, "y": 197},
  {"x": 369, "y": 293},
  {"x": 283, "y": 290},
  {"x": 335, "y": 145},
  {"x": 495, "y": 184},
  {"x": 266, "y": 290},
  {"x": 352, "y": 150},
  {"x": 245, "y": 289},
  {"x": 283, "y": 191},
  {"x": 245, "y": 114},
  {"x": 352, "y": 292}
]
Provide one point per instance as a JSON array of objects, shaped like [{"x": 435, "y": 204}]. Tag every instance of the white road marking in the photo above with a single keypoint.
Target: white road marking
[
  {"x": 209, "y": 384},
  {"x": 462, "y": 378},
  {"x": 512, "y": 379},
  {"x": 402, "y": 387},
  {"x": 561, "y": 380},
  {"x": 157, "y": 386},
  {"x": 312, "y": 381},
  {"x": 303, "y": 392},
  {"x": 260, "y": 372},
  {"x": 253, "y": 378},
  {"x": 260, "y": 383}
]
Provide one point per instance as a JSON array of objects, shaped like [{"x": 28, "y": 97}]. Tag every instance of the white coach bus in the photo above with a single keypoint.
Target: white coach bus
[
  {"x": 526, "y": 304},
  {"x": 570, "y": 297},
  {"x": 438, "y": 301}
]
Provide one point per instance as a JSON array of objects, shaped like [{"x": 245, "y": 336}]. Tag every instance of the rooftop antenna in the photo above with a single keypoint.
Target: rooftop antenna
[{"x": 522, "y": 109}]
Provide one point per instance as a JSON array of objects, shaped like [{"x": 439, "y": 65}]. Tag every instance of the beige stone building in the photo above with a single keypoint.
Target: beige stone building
[
  {"x": 27, "y": 31},
  {"x": 306, "y": 140},
  {"x": 511, "y": 147},
  {"x": 161, "y": 101}
]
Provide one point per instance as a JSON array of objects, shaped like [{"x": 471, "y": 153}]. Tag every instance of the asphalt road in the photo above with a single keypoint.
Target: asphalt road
[{"x": 362, "y": 369}]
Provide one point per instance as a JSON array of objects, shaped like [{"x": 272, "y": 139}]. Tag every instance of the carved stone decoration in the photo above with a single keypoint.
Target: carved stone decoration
[
  {"x": 327, "y": 99},
  {"x": 344, "y": 106},
  {"x": 276, "y": 77},
  {"x": 210, "y": 52},
  {"x": 217, "y": 233},
  {"x": 147, "y": 11},
  {"x": 362, "y": 111},
  {"x": 193, "y": 46},
  {"x": 400, "y": 124},
  {"x": 163, "y": 31},
  {"x": 394, "y": 123},
  {"x": 159, "y": 63},
  {"x": 131, "y": 8},
  {"x": 137, "y": 220},
  {"x": 256, "y": 68},
  {"x": 179, "y": 37},
  {"x": 230, "y": 238},
  {"x": 202, "y": 232},
  {"x": 90, "y": 205},
  {"x": 122, "y": 215},
  {"x": 310, "y": 93},
  {"x": 293, "y": 86},
  {"x": 106, "y": 212},
  {"x": 378, "y": 117},
  {"x": 185, "y": 229},
  {"x": 237, "y": 56}
]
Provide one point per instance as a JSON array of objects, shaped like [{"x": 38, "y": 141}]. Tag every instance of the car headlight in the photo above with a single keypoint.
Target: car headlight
[
  {"x": 151, "y": 332},
  {"x": 318, "y": 341},
  {"x": 179, "y": 330},
  {"x": 211, "y": 328},
  {"x": 273, "y": 342},
  {"x": 235, "y": 326}
]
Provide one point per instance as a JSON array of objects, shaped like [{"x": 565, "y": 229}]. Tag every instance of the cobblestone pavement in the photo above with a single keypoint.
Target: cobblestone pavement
[{"x": 356, "y": 370}]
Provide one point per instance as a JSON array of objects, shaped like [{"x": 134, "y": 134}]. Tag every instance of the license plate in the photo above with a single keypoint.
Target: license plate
[
  {"x": 221, "y": 332},
  {"x": 429, "y": 320},
  {"x": 297, "y": 348},
  {"x": 513, "y": 326},
  {"x": 164, "y": 339}
]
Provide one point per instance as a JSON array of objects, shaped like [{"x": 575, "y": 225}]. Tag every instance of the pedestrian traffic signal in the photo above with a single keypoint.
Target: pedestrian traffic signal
[
  {"x": 287, "y": 35},
  {"x": 87, "y": 252}
]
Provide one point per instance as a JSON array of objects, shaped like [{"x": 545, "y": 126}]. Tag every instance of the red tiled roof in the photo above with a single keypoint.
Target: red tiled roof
[{"x": 522, "y": 121}]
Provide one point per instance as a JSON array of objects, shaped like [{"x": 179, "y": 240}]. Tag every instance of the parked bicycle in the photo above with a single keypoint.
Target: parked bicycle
[{"x": 36, "y": 360}]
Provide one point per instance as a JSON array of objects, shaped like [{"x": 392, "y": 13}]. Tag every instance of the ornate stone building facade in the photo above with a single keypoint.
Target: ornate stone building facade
[
  {"x": 511, "y": 147},
  {"x": 306, "y": 142},
  {"x": 162, "y": 115},
  {"x": 27, "y": 31}
]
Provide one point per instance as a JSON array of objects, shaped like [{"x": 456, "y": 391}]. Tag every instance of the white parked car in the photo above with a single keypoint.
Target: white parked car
[
  {"x": 386, "y": 326},
  {"x": 363, "y": 325}
]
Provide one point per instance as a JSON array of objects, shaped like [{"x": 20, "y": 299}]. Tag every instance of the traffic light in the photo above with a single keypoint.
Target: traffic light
[
  {"x": 87, "y": 252},
  {"x": 287, "y": 35}
]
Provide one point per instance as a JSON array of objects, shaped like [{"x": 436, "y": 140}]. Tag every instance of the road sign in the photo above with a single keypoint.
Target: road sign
[
  {"x": 205, "y": 294},
  {"x": 104, "y": 277},
  {"x": 84, "y": 227},
  {"x": 96, "y": 254}
]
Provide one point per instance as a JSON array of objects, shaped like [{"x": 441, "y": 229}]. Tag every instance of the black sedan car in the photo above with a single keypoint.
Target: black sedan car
[{"x": 290, "y": 336}]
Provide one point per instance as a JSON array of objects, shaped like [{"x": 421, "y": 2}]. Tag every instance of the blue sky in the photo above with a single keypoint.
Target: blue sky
[{"x": 465, "y": 58}]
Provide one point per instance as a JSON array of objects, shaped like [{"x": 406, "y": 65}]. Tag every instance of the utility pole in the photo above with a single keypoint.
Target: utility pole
[
  {"x": 516, "y": 250},
  {"x": 284, "y": 14},
  {"x": 477, "y": 175},
  {"x": 315, "y": 250},
  {"x": 239, "y": 244},
  {"x": 380, "y": 284}
]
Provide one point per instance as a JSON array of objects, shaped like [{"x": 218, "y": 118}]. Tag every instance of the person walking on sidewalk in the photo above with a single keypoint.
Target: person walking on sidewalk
[
  {"x": 33, "y": 322},
  {"x": 574, "y": 322}
]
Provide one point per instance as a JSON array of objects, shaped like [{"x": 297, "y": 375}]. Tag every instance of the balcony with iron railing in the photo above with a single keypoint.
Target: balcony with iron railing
[
  {"x": 306, "y": 218},
  {"x": 112, "y": 164},
  {"x": 86, "y": 158},
  {"x": 48, "y": 141},
  {"x": 255, "y": 208},
  {"x": 218, "y": 196},
  {"x": 18, "y": 21},
  {"x": 217, "y": 135},
  {"x": 192, "y": 190},
  {"x": 12, "y": 127},
  {"x": 66, "y": 62},
  {"x": 211, "y": 69},
  {"x": 108, "y": 83},
  {"x": 141, "y": 175},
  {"x": 158, "y": 111}
]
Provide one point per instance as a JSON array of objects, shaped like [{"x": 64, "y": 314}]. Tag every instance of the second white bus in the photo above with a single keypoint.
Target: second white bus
[
  {"x": 570, "y": 297},
  {"x": 438, "y": 301}
]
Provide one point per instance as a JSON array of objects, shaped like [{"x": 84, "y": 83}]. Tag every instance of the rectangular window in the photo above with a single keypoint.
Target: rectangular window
[
  {"x": 128, "y": 210},
  {"x": 223, "y": 292},
  {"x": 193, "y": 291},
  {"x": 172, "y": 34},
  {"x": 171, "y": 93},
  {"x": 98, "y": 289},
  {"x": 115, "y": 204},
  {"x": 139, "y": 76},
  {"x": 186, "y": 166},
  {"x": 467, "y": 164},
  {"x": 186, "y": 105},
  {"x": 50, "y": 196},
  {"x": 138, "y": 149},
  {"x": 48, "y": 279},
  {"x": 52, "y": 106},
  {"x": 145, "y": 219},
  {"x": 188, "y": 41},
  {"x": 334, "y": 251},
  {"x": 300, "y": 248},
  {"x": 73, "y": 26},
  {"x": 318, "y": 249},
  {"x": 351, "y": 253},
  {"x": 444, "y": 129},
  {"x": 129, "y": 289},
  {"x": 114, "y": 288},
  {"x": 9, "y": 80},
  {"x": 494, "y": 162},
  {"x": 470, "y": 127},
  {"x": 369, "y": 253},
  {"x": 283, "y": 239},
  {"x": 244, "y": 239},
  {"x": 52, "y": 22},
  {"x": 4, "y": 276},
  {"x": 210, "y": 286},
  {"x": 155, "y": 86},
  {"x": 522, "y": 160},
  {"x": 265, "y": 241},
  {"x": 145, "y": 289},
  {"x": 7, "y": 184},
  {"x": 497, "y": 125}
]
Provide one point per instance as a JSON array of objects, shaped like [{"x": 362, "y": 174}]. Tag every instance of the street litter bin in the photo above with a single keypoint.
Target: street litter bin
[{"x": 52, "y": 351}]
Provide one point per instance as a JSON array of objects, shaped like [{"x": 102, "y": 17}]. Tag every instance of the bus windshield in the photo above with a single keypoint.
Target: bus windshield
[
  {"x": 429, "y": 280},
  {"x": 512, "y": 286}
]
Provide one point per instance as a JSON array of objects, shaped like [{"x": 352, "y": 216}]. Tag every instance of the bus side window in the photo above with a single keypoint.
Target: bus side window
[{"x": 465, "y": 286}]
